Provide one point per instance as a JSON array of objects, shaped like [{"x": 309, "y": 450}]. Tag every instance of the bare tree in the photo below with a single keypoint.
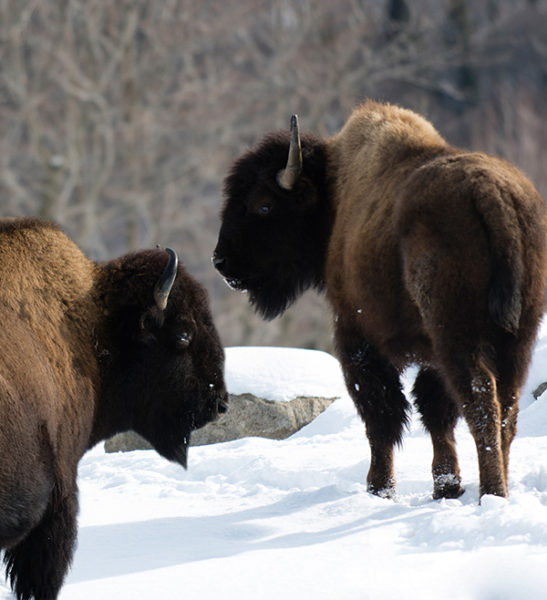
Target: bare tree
[{"x": 120, "y": 120}]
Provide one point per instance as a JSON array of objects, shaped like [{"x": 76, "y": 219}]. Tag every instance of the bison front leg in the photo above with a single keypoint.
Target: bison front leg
[
  {"x": 373, "y": 384},
  {"x": 37, "y": 565}
]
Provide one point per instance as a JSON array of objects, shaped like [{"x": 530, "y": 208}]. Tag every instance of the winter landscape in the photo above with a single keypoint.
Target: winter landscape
[{"x": 258, "y": 518}]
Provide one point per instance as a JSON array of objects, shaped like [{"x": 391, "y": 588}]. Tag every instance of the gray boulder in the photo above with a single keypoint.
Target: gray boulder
[
  {"x": 248, "y": 416},
  {"x": 539, "y": 390}
]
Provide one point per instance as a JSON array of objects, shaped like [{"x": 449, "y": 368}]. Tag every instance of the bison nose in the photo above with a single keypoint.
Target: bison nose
[{"x": 218, "y": 261}]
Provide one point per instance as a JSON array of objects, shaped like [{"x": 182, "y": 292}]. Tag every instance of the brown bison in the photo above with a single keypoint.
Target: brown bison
[
  {"x": 89, "y": 350},
  {"x": 429, "y": 255}
]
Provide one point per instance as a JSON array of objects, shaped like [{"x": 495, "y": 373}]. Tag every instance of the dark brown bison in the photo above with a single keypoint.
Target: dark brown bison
[
  {"x": 429, "y": 255},
  {"x": 89, "y": 350}
]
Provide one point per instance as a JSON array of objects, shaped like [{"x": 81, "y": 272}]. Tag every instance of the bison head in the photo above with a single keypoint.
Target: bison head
[
  {"x": 163, "y": 370},
  {"x": 275, "y": 221}
]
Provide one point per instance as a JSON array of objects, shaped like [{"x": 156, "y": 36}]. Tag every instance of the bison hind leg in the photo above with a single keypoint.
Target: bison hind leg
[
  {"x": 439, "y": 414},
  {"x": 36, "y": 566},
  {"x": 477, "y": 391}
]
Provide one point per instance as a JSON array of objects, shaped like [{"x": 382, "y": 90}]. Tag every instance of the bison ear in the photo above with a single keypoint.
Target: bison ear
[
  {"x": 287, "y": 177},
  {"x": 165, "y": 282}
]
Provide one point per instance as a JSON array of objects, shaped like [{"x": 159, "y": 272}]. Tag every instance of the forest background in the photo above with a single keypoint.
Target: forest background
[{"x": 119, "y": 120}]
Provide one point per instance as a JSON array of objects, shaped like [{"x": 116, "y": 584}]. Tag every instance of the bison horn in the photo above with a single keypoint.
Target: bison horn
[
  {"x": 165, "y": 282},
  {"x": 288, "y": 176}
]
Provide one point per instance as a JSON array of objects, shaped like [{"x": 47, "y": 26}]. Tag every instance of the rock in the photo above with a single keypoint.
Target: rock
[
  {"x": 124, "y": 442},
  {"x": 248, "y": 416},
  {"x": 539, "y": 390}
]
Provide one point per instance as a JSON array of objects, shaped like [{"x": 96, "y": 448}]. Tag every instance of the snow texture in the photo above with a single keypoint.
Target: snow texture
[{"x": 266, "y": 519}]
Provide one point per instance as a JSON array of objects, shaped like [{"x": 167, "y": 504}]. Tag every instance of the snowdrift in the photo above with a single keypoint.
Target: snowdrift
[{"x": 291, "y": 519}]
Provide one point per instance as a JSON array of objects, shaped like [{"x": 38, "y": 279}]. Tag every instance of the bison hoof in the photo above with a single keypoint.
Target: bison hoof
[
  {"x": 383, "y": 491},
  {"x": 447, "y": 486}
]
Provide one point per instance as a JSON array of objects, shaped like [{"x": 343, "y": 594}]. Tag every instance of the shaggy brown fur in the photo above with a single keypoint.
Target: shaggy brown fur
[
  {"x": 429, "y": 255},
  {"x": 86, "y": 353}
]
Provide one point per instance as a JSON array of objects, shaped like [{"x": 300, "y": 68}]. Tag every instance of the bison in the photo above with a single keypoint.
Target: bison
[
  {"x": 88, "y": 350},
  {"x": 430, "y": 255}
]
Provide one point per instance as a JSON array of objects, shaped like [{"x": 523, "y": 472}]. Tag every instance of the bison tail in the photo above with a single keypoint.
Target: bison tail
[
  {"x": 505, "y": 296},
  {"x": 504, "y": 233}
]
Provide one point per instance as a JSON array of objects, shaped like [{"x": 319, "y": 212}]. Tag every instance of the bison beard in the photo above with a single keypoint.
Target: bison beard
[
  {"x": 270, "y": 301},
  {"x": 428, "y": 254}
]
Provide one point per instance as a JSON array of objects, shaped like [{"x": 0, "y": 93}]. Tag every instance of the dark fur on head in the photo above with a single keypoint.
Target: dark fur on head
[
  {"x": 249, "y": 187},
  {"x": 145, "y": 353}
]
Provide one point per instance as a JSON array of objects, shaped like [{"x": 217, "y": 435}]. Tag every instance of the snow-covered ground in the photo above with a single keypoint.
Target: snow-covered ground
[{"x": 291, "y": 519}]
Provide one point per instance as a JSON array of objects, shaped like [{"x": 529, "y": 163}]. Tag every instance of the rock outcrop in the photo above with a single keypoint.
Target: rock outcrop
[{"x": 248, "y": 416}]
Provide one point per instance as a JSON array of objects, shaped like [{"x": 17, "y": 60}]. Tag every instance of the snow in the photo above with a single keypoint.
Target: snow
[{"x": 257, "y": 518}]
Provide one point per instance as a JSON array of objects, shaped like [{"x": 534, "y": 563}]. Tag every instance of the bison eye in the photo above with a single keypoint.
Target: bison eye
[
  {"x": 183, "y": 339},
  {"x": 265, "y": 209}
]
